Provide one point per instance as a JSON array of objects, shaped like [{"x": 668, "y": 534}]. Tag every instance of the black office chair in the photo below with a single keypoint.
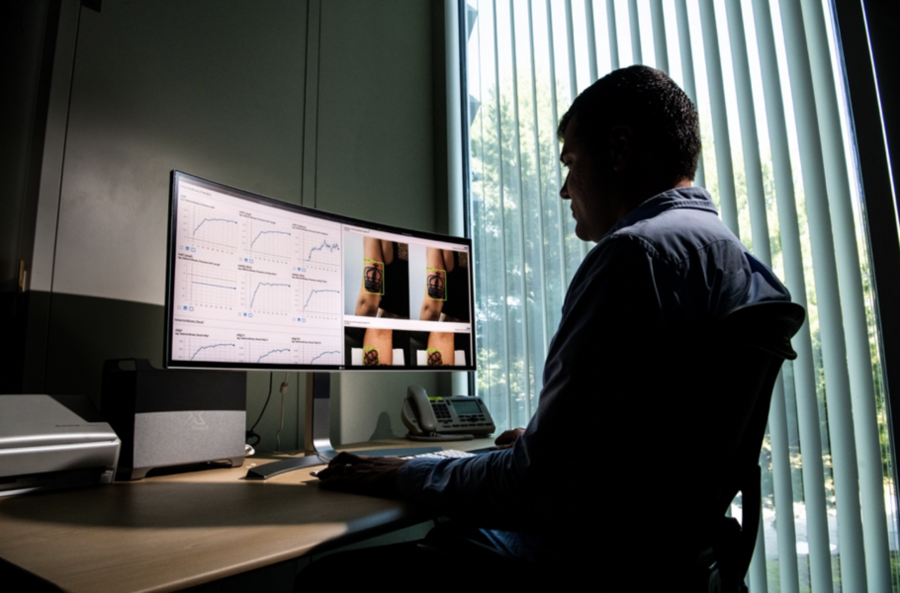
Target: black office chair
[
  {"x": 731, "y": 367},
  {"x": 748, "y": 347}
]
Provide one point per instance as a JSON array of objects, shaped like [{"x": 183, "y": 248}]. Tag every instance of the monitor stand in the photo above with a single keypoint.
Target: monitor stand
[
  {"x": 317, "y": 434},
  {"x": 317, "y": 424},
  {"x": 316, "y": 431}
]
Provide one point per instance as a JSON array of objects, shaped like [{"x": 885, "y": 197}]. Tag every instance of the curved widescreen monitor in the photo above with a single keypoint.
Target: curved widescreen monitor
[{"x": 258, "y": 284}]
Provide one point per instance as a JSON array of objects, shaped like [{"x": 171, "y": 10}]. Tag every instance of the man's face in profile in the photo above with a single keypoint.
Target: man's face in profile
[{"x": 588, "y": 186}]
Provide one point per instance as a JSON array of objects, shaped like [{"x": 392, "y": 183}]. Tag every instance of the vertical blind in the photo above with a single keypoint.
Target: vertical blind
[{"x": 778, "y": 159}]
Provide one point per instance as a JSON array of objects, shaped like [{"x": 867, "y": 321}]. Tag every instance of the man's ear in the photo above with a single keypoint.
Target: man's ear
[{"x": 621, "y": 147}]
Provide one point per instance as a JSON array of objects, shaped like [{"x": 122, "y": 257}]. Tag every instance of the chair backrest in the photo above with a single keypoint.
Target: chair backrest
[
  {"x": 759, "y": 336},
  {"x": 749, "y": 344}
]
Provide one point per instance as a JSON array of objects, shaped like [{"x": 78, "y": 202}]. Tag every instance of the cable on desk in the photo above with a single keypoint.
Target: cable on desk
[
  {"x": 250, "y": 433},
  {"x": 283, "y": 390}
]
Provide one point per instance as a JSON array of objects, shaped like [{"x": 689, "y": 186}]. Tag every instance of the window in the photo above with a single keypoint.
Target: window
[{"x": 779, "y": 161}]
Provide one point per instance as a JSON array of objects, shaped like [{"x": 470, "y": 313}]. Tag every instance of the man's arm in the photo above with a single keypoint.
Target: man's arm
[
  {"x": 542, "y": 481},
  {"x": 378, "y": 475}
]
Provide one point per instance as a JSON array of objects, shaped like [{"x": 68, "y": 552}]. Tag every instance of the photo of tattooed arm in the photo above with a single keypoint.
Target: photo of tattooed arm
[
  {"x": 440, "y": 350},
  {"x": 438, "y": 262},
  {"x": 384, "y": 292},
  {"x": 372, "y": 278}
]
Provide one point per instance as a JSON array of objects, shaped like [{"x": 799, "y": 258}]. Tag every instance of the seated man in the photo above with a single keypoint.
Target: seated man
[{"x": 605, "y": 455}]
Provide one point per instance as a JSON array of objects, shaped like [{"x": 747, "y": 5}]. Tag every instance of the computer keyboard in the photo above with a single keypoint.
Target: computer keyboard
[
  {"x": 268, "y": 470},
  {"x": 445, "y": 454}
]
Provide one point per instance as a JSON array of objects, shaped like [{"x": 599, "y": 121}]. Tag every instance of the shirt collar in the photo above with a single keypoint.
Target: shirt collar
[{"x": 692, "y": 197}]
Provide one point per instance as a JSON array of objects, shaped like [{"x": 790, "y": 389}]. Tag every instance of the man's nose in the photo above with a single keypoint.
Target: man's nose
[{"x": 563, "y": 192}]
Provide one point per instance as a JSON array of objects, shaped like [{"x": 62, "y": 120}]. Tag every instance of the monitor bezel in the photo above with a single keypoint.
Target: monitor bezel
[{"x": 171, "y": 251}]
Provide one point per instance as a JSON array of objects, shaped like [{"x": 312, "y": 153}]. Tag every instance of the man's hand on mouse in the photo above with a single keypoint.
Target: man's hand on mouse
[{"x": 362, "y": 474}]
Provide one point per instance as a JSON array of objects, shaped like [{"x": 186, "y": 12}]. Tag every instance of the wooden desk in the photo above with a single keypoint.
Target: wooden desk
[{"x": 167, "y": 533}]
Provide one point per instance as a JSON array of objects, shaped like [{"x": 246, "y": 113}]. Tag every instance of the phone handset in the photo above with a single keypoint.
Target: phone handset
[
  {"x": 417, "y": 413},
  {"x": 453, "y": 418}
]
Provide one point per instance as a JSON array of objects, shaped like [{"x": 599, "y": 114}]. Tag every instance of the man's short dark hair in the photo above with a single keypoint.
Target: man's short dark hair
[{"x": 659, "y": 113}]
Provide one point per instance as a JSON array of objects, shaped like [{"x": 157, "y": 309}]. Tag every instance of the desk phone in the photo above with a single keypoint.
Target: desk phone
[{"x": 455, "y": 418}]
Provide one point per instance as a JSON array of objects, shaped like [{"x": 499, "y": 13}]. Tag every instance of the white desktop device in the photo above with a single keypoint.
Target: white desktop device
[{"x": 45, "y": 442}]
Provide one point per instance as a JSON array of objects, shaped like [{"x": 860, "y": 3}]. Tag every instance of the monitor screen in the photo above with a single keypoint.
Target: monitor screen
[{"x": 254, "y": 283}]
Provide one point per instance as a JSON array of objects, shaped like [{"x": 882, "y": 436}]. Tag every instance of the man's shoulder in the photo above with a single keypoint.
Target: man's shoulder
[
  {"x": 677, "y": 232},
  {"x": 695, "y": 261}
]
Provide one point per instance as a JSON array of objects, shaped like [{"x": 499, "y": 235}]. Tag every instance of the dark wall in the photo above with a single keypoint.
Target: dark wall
[
  {"x": 884, "y": 33},
  {"x": 27, "y": 41},
  {"x": 328, "y": 103}
]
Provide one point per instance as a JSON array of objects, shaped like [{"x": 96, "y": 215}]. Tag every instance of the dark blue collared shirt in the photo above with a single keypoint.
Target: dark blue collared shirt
[{"x": 587, "y": 461}]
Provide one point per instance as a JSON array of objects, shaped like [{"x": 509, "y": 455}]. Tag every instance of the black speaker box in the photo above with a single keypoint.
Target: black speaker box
[{"x": 171, "y": 418}]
